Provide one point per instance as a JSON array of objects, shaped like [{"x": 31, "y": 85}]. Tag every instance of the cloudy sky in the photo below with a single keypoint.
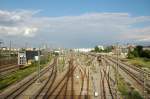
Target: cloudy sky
[{"x": 74, "y": 23}]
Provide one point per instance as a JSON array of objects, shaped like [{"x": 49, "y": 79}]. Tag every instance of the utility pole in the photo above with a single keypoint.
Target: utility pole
[
  {"x": 116, "y": 73},
  {"x": 1, "y": 42},
  {"x": 39, "y": 65},
  {"x": 145, "y": 77},
  {"x": 63, "y": 60},
  {"x": 26, "y": 46},
  {"x": 10, "y": 51}
]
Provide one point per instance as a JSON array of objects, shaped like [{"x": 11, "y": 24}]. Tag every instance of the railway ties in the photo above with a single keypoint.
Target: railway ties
[
  {"x": 4, "y": 70},
  {"x": 7, "y": 65},
  {"x": 6, "y": 62},
  {"x": 73, "y": 85},
  {"x": 84, "y": 92},
  {"x": 68, "y": 87},
  {"x": 106, "y": 90},
  {"x": 82, "y": 73},
  {"x": 42, "y": 93},
  {"x": 58, "y": 91}
]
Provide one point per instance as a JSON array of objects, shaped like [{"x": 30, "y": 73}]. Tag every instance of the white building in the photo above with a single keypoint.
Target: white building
[
  {"x": 83, "y": 49},
  {"x": 100, "y": 47}
]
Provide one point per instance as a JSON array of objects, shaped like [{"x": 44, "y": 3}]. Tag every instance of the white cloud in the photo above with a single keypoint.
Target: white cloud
[
  {"x": 17, "y": 22},
  {"x": 111, "y": 25},
  {"x": 22, "y": 31},
  {"x": 29, "y": 31}
]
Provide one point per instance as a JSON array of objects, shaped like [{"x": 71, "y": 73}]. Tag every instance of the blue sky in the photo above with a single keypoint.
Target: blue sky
[
  {"x": 76, "y": 7},
  {"x": 74, "y": 23}
]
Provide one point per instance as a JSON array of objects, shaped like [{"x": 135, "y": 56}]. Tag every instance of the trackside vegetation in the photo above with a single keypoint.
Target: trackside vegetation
[
  {"x": 18, "y": 75},
  {"x": 139, "y": 52},
  {"x": 139, "y": 57},
  {"x": 126, "y": 90}
]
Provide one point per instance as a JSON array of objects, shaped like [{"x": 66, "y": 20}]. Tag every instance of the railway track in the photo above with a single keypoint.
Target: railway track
[
  {"x": 4, "y": 62},
  {"x": 41, "y": 94},
  {"x": 135, "y": 77},
  {"x": 110, "y": 89},
  {"x": 7, "y": 68},
  {"x": 105, "y": 82},
  {"x": 88, "y": 76},
  {"x": 131, "y": 66},
  {"x": 7, "y": 65},
  {"x": 84, "y": 93},
  {"x": 103, "y": 93},
  {"x": 55, "y": 92},
  {"x": 19, "y": 90},
  {"x": 108, "y": 78},
  {"x": 72, "y": 82},
  {"x": 66, "y": 87},
  {"x": 82, "y": 84}
]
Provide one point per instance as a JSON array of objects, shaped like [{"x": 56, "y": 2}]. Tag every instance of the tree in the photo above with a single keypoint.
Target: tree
[
  {"x": 138, "y": 50},
  {"x": 108, "y": 49},
  {"x": 96, "y": 49},
  {"x": 130, "y": 55},
  {"x": 146, "y": 53}
]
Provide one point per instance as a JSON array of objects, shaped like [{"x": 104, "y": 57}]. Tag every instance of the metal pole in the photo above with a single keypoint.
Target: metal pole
[
  {"x": 0, "y": 50},
  {"x": 116, "y": 72},
  {"x": 145, "y": 82},
  {"x": 10, "y": 51},
  {"x": 63, "y": 61},
  {"x": 26, "y": 46},
  {"x": 39, "y": 65}
]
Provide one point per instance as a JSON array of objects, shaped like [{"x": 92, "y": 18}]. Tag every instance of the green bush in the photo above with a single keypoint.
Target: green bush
[{"x": 139, "y": 52}]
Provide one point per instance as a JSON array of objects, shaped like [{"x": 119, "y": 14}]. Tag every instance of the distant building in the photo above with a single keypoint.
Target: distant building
[
  {"x": 122, "y": 50},
  {"x": 116, "y": 50},
  {"x": 30, "y": 56},
  {"x": 4, "y": 48},
  {"x": 146, "y": 48},
  {"x": 7, "y": 49},
  {"x": 22, "y": 58},
  {"x": 83, "y": 49},
  {"x": 26, "y": 57},
  {"x": 32, "y": 49},
  {"x": 131, "y": 47},
  {"x": 100, "y": 47}
]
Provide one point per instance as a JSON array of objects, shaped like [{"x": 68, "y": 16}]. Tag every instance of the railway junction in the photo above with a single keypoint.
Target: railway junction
[{"x": 79, "y": 76}]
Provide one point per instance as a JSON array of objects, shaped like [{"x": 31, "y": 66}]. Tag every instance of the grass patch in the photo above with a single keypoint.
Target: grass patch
[
  {"x": 140, "y": 62},
  {"x": 126, "y": 90},
  {"x": 122, "y": 87},
  {"x": 61, "y": 63},
  {"x": 19, "y": 74}
]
